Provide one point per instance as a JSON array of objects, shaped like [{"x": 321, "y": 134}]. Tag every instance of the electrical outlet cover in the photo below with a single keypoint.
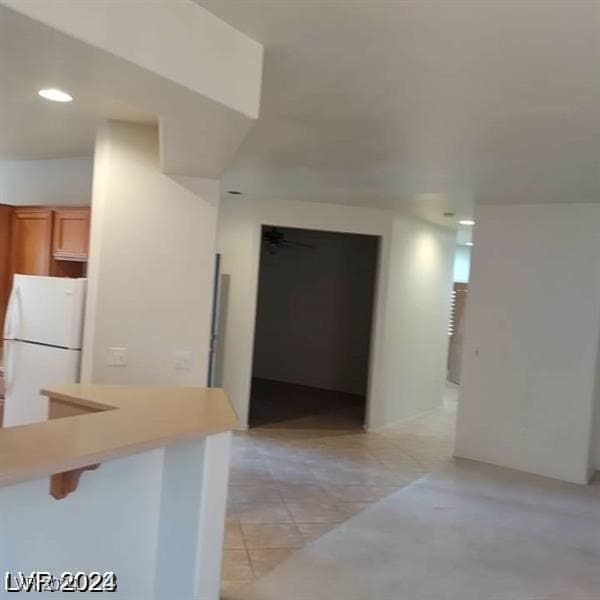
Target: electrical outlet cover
[
  {"x": 117, "y": 357},
  {"x": 183, "y": 360}
]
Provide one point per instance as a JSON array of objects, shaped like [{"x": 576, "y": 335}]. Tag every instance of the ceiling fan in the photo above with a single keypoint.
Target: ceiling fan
[{"x": 274, "y": 240}]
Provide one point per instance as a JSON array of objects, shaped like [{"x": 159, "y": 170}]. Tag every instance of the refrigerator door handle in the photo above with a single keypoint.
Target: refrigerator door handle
[
  {"x": 12, "y": 314},
  {"x": 8, "y": 367}
]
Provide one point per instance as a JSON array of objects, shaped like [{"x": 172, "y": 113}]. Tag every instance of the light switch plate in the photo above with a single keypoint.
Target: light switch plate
[
  {"x": 117, "y": 357},
  {"x": 183, "y": 360}
]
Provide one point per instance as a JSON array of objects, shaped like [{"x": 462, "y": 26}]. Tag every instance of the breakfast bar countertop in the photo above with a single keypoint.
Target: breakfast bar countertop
[{"x": 108, "y": 422}]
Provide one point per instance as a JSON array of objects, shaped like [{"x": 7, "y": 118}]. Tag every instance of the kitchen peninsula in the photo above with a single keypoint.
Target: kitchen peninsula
[{"x": 152, "y": 509}]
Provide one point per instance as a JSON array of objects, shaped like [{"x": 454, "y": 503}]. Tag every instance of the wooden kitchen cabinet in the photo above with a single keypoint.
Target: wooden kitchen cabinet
[
  {"x": 71, "y": 234},
  {"x": 48, "y": 240},
  {"x": 6, "y": 216},
  {"x": 31, "y": 242}
]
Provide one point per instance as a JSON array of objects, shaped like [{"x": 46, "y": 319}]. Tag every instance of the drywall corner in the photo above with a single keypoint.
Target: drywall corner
[
  {"x": 152, "y": 256},
  {"x": 417, "y": 309}
]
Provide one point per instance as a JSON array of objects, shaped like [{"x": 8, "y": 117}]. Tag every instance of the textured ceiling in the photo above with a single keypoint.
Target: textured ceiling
[
  {"x": 198, "y": 135},
  {"x": 424, "y": 105}
]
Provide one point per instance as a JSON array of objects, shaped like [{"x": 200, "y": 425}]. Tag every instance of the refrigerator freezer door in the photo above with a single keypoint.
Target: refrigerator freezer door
[
  {"x": 27, "y": 369},
  {"x": 46, "y": 310}
]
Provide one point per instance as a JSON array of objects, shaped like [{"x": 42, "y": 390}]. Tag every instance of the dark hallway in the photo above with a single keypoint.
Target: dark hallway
[{"x": 313, "y": 328}]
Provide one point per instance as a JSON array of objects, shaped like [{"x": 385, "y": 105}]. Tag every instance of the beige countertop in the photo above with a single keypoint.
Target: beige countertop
[{"x": 108, "y": 422}]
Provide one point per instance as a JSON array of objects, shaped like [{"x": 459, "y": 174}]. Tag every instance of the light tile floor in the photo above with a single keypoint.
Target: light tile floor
[
  {"x": 293, "y": 481},
  {"x": 469, "y": 531}
]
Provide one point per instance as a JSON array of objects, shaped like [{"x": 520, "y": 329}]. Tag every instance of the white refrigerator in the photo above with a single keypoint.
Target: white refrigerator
[{"x": 42, "y": 343}]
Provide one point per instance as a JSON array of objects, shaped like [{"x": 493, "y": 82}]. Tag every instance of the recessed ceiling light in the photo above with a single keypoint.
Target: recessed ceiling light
[
  {"x": 55, "y": 95},
  {"x": 468, "y": 243},
  {"x": 466, "y": 222}
]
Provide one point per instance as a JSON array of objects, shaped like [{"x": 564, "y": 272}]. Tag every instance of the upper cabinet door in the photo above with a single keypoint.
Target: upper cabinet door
[
  {"x": 71, "y": 234},
  {"x": 31, "y": 241}
]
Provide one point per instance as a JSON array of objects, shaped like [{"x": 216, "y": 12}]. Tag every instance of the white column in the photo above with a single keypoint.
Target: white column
[
  {"x": 529, "y": 378},
  {"x": 192, "y": 519},
  {"x": 152, "y": 256}
]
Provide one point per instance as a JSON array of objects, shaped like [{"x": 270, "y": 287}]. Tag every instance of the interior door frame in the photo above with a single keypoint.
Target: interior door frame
[
  {"x": 375, "y": 312},
  {"x": 214, "y": 323}
]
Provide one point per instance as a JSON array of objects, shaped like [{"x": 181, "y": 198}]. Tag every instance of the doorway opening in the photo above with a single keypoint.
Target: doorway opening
[
  {"x": 456, "y": 326},
  {"x": 314, "y": 317},
  {"x": 456, "y": 331}
]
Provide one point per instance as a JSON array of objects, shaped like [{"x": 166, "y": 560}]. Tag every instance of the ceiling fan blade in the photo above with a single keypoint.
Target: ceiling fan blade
[{"x": 292, "y": 243}]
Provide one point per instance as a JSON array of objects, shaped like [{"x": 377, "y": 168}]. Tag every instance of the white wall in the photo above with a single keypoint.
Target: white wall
[
  {"x": 415, "y": 339},
  {"x": 54, "y": 181},
  {"x": 532, "y": 332},
  {"x": 462, "y": 264},
  {"x": 151, "y": 265},
  {"x": 412, "y": 299},
  {"x": 109, "y": 524},
  {"x": 156, "y": 519},
  {"x": 315, "y": 308}
]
